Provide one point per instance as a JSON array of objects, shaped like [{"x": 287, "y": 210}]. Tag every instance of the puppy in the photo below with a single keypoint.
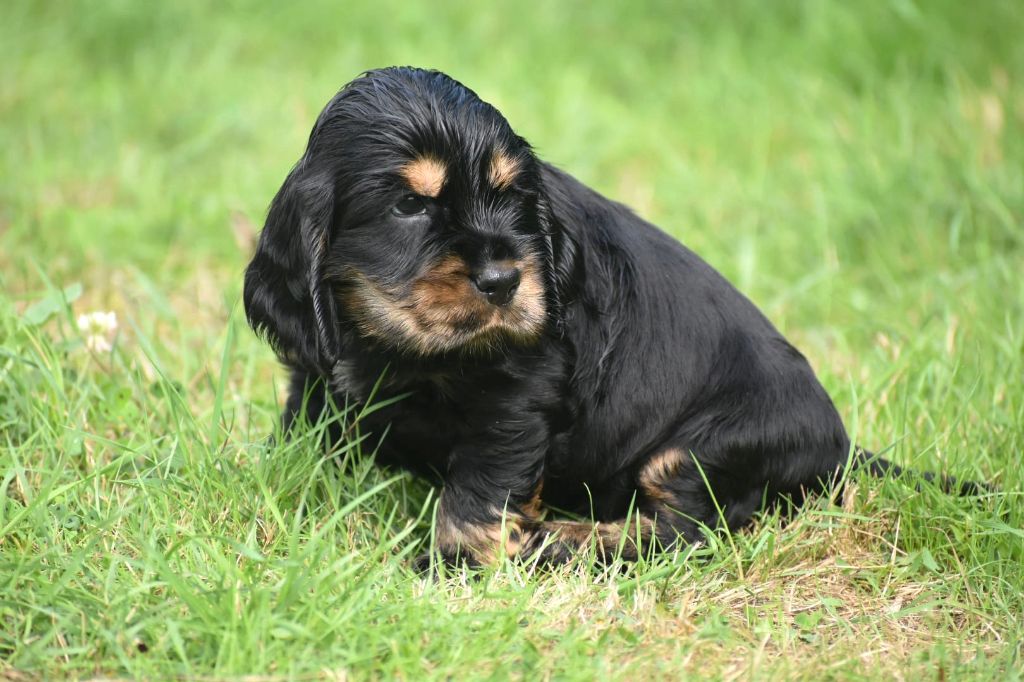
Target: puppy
[{"x": 555, "y": 349}]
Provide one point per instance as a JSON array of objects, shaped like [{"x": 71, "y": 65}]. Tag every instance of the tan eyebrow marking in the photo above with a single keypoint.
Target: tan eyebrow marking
[
  {"x": 425, "y": 176},
  {"x": 503, "y": 170}
]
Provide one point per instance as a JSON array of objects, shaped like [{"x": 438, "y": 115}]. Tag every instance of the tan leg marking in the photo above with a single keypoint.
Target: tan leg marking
[
  {"x": 661, "y": 468},
  {"x": 532, "y": 508},
  {"x": 487, "y": 543},
  {"x": 515, "y": 535}
]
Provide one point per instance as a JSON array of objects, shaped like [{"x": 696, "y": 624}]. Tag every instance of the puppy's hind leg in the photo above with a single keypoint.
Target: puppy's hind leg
[{"x": 686, "y": 498}]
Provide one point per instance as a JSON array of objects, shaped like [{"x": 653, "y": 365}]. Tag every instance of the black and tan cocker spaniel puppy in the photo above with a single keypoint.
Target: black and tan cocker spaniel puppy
[{"x": 555, "y": 348}]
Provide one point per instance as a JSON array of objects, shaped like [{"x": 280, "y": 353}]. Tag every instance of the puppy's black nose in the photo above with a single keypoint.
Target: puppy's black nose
[{"x": 498, "y": 283}]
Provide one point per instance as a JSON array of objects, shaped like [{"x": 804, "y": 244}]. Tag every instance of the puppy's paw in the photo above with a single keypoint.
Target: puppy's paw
[{"x": 425, "y": 564}]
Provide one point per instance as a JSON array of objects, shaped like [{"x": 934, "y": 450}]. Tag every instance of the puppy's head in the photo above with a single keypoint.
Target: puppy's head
[{"x": 416, "y": 218}]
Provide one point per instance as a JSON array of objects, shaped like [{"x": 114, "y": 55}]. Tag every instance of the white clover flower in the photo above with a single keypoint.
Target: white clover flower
[{"x": 98, "y": 327}]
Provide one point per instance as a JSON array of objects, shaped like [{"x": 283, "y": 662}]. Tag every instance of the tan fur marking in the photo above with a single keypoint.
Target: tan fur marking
[
  {"x": 574, "y": 532},
  {"x": 503, "y": 170},
  {"x": 533, "y": 507},
  {"x": 425, "y": 176},
  {"x": 484, "y": 542},
  {"x": 529, "y": 307},
  {"x": 606, "y": 535},
  {"x": 509, "y": 534},
  {"x": 661, "y": 467},
  {"x": 444, "y": 312}
]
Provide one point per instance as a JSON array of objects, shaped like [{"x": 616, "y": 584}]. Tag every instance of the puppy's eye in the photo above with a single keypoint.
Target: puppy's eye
[{"x": 410, "y": 204}]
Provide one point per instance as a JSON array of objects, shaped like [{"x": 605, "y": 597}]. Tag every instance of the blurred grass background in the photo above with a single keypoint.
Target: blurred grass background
[{"x": 856, "y": 168}]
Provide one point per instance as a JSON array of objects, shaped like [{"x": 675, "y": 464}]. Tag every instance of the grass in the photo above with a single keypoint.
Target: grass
[{"x": 856, "y": 168}]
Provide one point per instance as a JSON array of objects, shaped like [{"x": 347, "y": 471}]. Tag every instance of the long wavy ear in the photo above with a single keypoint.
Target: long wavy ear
[
  {"x": 286, "y": 300},
  {"x": 561, "y": 263}
]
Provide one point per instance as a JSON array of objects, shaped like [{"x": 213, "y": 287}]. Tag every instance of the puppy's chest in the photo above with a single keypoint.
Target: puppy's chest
[
  {"x": 443, "y": 406},
  {"x": 423, "y": 418}
]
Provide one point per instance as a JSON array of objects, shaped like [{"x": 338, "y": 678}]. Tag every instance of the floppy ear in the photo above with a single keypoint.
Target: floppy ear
[
  {"x": 560, "y": 256},
  {"x": 286, "y": 300}
]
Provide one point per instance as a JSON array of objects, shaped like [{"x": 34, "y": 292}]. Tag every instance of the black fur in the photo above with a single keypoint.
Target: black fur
[{"x": 650, "y": 378}]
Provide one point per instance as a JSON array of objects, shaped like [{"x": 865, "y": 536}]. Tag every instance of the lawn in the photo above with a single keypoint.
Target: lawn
[{"x": 856, "y": 168}]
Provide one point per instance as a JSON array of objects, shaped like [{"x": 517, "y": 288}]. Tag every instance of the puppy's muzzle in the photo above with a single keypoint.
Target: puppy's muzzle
[{"x": 497, "y": 282}]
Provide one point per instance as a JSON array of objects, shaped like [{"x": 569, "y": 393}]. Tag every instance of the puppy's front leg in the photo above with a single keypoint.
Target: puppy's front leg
[
  {"x": 478, "y": 531},
  {"x": 492, "y": 486},
  {"x": 491, "y": 503}
]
